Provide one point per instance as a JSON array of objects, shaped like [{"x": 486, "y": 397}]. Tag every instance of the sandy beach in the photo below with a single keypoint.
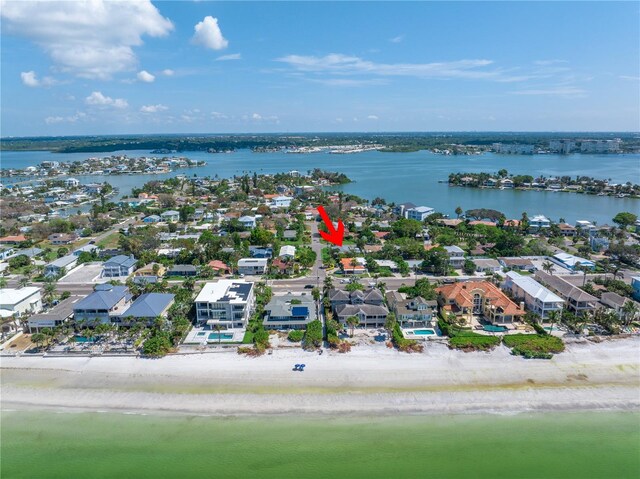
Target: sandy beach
[{"x": 588, "y": 376}]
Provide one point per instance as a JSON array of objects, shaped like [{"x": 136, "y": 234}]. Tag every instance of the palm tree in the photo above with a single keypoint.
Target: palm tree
[
  {"x": 49, "y": 291},
  {"x": 630, "y": 311},
  {"x": 218, "y": 328},
  {"x": 352, "y": 321},
  {"x": 390, "y": 324},
  {"x": 547, "y": 266},
  {"x": 553, "y": 317},
  {"x": 24, "y": 281},
  {"x": 3, "y": 282}
]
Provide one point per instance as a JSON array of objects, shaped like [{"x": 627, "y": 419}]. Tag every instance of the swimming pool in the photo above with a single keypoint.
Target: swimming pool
[
  {"x": 220, "y": 336},
  {"x": 423, "y": 332},
  {"x": 494, "y": 329},
  {"x": 83, "y": 339}
]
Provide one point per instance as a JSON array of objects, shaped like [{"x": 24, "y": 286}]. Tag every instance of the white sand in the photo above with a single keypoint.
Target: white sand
[{"x": 367, "y": 380}]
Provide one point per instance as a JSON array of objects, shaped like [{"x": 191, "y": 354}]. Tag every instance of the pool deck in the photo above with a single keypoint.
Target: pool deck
[
  {"x": 196, "y": 336},
  {"x": 408, "y": 334}
]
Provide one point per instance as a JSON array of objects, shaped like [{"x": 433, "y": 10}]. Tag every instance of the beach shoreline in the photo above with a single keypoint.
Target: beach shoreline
[{"x": 368, "y": 381}]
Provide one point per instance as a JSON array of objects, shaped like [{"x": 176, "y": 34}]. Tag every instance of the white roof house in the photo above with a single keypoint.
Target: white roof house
[
  {"x": 20, "y": 300},
  {"x": 537, "y": 298},
  {"x": 572, "y": 262},
  {"x": 287, "y": 251}
]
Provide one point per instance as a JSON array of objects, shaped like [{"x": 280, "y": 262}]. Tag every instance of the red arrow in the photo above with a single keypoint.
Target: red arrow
[{"x": 333, "y": 236}]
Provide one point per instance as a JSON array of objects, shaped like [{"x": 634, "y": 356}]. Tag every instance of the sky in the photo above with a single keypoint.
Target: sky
[{"x": 138, "y": 67}]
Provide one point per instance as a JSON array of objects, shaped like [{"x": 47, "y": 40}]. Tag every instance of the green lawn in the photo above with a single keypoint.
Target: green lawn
[{"x": 110, "y": 241}]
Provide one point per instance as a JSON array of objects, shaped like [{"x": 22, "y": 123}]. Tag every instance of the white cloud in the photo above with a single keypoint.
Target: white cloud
[
  {"x": 348, "y": 82},
  {"x": 216, "y": 115},
  {"x": 566, "y": 91},
  {"x": 261, "y": 118},
  {"x": 30, "y": 79},
  {"x": 168, "y": 72},
  {"x": 549, "y": 62},
  {"x": 51, "y": 120},
  {"x": 397, "y": 39},
  {"x": 145, "y": 76},
  {"x": 90, "y": 39},
  {"x": 153, "y": 108},
  {"x": 629, "y": 77},
  {"x": 339, "y": 120},
  {"x": 373, "y": 117},
  {"x": 340, "y": 64},
  {"x": 233, "y": 56},
  {"x": 98, "y": 99},
  {"x": 208, "y": 34}
]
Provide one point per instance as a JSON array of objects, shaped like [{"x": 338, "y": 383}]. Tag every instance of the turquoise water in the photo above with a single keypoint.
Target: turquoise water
[
  {"x": 413, "y": 177},
  {"x": 494, "y": 329},
  {"x": 83, "y": 339},
  {"x": 216, "y": 336},
  {"x": 424, "y": 332}
]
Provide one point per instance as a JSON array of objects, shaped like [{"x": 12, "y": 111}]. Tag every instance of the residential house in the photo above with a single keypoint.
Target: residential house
[
  {"x": 487, "y": 265},
  {"x": 248, "y": 221},
  {"x": 88, "y": 248},
  {"x": 219, "y": 266},
  {"x": 146, "y": 308},
  {"x": 572, "y": 262},
  {"x": 281, "y": 202},
  {"x": 368, "y": 306},
  {"x": 353, "y": 265},
  {"x": 401, "y": 208},
  {"x": 252, "y": 266},
  {"x": 287, "y": 251},
  {"x": 105, "y": 304},
  {"x": 282, "y": 266},
  {"x": 187, "y": 270},
  {"x": 419, "y": 213},
  {"x": 456, "y": 256},
  {"x": 517, "y": 263},
  {"x": 226, "y": 303},
  {"x": 61, "y": 266},
  {"x": 58, "y": 239},
  {"x": 13, "y": 239},
  {"x": 411, "y": 313},
  {"x": 151, "y": 219},
  {"x": 16, "y": 302},
  {"x": 537, "y": 298},
  {"x": 577, "y": 300},
  {"x": 598, "y": 243},
  {"x": 260, "y": 252},
  {"x": 117, "y": 266},
  {"x": 289, "y": 311},
  {"x": 59, "y": 314},
  {"x": 539, "y": 222},
  {"x": 478, "y": 298},
  {"x": 567, "y": 230},
  {"x": 6, "y": 252},
  {"x": 71, "y": 182},
  {"x": 290, "y": 235},
  {"x": 614, "y": 301},
  {"x": 635, "y": 284},
  {"x": 170, "y": 216}
]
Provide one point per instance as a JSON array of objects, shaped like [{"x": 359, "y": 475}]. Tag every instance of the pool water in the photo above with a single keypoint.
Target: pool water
[
  {"x": 83, "y": 339},
  {"x": 424, "y": 332},
  {"x": 494, "y": 329},
  {"x": 217, "y": 336}
]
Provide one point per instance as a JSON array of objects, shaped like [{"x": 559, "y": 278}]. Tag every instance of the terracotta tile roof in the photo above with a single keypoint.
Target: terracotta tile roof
[
  {"x": 346, "y": 264},
  {"x": 218, "y": 265},
  {"x": 13, "y": 239},
  {"x": 462, "y": 294}
]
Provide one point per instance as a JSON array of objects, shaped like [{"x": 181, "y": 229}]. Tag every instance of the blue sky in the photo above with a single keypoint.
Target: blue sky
[{"x": 216, "y": 67}]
